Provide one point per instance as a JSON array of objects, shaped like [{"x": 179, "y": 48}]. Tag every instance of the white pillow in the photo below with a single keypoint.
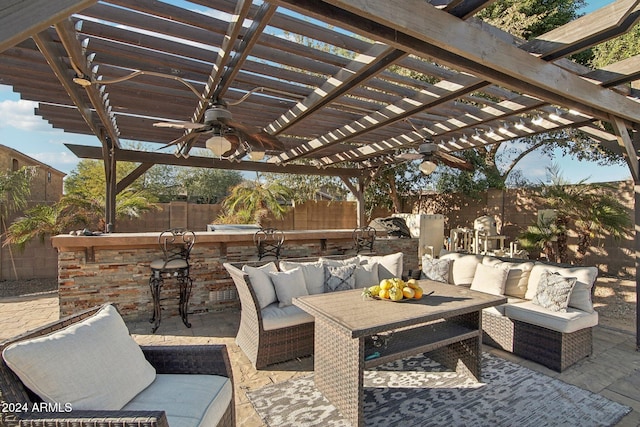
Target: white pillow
[
  {"x": 435, "y": 269},
  {"x": 289, "y": 284},
  {"x": 313, "y": 274},
  {"x": 518, "y": 277},
  {"x": 463, "y": 268},
  {"x": 340, "y": 262},
  {"x": 92, "y": 364},
  {"x": 389, "y": 266},
  {"x": 367, "y": 275},
  {"x": 580, "y": 295},
  {"x": 261, "y": 283},
  {"x": 490, "y": 280}
]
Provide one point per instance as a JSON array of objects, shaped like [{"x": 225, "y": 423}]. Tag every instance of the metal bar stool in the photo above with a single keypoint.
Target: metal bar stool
[
  {"x": 269, "y": 242},
  {"x": 176, "y": 247},
  {"x": 364, "y": 238}
]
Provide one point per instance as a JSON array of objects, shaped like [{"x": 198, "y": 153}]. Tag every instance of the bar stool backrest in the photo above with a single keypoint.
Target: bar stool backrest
[
  {"x": 176, "y": 243},
  {"x": 364, "y": 238},
  {"x": 269, "y": 242}
]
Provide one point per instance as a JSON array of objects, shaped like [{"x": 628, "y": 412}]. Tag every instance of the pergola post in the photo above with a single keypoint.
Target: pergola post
[
  {"x": 110, "y": 182},
  {"x": 636, "y": 190}
]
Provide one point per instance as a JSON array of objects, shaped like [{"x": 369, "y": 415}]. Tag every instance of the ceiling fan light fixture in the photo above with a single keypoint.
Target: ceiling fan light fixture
[
  {"x": 218, "y": 145},
  {"x": 427, "y": 167}
]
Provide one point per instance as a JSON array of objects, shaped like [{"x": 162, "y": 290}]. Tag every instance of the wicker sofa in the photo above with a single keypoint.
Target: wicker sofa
[
  {"x": 556, "y": 339},
  {"x": 272, "y": 331},
  {"x": 190, "y": 385}
]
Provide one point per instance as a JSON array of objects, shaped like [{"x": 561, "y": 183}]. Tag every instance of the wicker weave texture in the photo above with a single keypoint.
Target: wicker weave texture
[
  {"x": 205, "y": 359},
  {"x": 555, "y": 350}
]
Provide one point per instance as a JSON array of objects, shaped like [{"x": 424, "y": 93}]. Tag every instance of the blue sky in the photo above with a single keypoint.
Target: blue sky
[{"x": 22, "y": 130}]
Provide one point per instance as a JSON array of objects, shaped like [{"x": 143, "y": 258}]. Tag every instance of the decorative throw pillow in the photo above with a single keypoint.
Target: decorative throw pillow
[
  {"x": 554, "y": 291},
  {"x": 435, "y": 269},
  {"x": 339, "y": 278},
  {"x": 313, "y": 274},
  {"x": 261, "y": 283},
  {"x": 490, "y": 280},
  {"x": 288, "y": 284},
  {"x": 366, "y": 275},
  {"x": 389, "y": 266},
  {"x": 92, "y": 364}
]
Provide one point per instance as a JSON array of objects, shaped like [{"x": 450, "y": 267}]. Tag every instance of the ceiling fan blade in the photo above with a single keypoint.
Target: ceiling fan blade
[
  {"x": 179, "y": 125},
  {"x": 453, "y": 161},
  {"x": 254, "y": 136},
  {"x": 184, "y": 138},
  {"x": 409, "y": 156}
]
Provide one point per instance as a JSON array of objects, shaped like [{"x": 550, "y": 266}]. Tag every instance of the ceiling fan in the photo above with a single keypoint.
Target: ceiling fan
[
  {"x": 431, "y": 153},
  {"x": 226, "y": 135}
]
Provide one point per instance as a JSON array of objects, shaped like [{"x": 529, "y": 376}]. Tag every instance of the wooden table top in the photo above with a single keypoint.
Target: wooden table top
[{"x": 361, "y": 316}]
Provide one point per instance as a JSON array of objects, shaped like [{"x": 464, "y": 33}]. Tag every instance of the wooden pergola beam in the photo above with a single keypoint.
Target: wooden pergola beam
[{"x": 20, "y": 19}]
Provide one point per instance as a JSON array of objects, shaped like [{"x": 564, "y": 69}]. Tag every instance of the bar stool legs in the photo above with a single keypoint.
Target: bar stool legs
[{"x": 185, "y": 283}]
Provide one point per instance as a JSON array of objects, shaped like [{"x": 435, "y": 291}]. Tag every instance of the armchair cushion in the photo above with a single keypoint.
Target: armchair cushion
[
  {"x": 188, "y": 400},
  {"x": 92, "y": 364},
  {"x": 261, "y": 282},
  {"x": 580, "y": 295}
]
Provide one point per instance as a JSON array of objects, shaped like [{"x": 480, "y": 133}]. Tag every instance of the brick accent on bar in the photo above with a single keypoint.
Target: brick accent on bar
[{"x": 115, "y": 268}]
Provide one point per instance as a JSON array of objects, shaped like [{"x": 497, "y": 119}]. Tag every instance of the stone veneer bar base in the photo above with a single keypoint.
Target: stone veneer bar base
[{"x": 93, "y": 270}]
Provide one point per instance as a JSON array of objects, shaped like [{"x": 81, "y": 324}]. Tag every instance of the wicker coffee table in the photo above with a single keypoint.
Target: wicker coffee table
[{"x": 447, "y": 325}]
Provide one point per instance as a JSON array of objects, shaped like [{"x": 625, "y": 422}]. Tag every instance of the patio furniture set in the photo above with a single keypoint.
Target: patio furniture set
[{"x": 290, "y": 309}]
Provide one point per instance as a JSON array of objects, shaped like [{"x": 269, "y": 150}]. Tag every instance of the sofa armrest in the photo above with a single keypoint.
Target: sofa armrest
[
  {"x": 86, "y": 418},
  {"x": 192, "y": 359}
]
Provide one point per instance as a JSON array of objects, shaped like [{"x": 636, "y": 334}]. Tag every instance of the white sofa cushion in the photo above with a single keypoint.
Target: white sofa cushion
[
  {"x": 498, "y": 310},
  {"x": 288, "y": 284},
  {"x": 581, "y": 294},
  {"x": 313, "y": 274},
  {"x": 570, "y": 321},
  {"x": 366, "y": 275},
  {"x": 91, "y": 364},
  {"x": 435, "y": 269},
  {"x": 389, "y": 266},
  {"x": 518, "y": 277},
  {"x": 463, "y": 267},
  {"x": 188, "y": 400},
  {"x": 261, "y": 283},
  {"x": 355, "y": 260},
  {"x": 276, "y": 317},
  {"x": 490, "y": 280}
]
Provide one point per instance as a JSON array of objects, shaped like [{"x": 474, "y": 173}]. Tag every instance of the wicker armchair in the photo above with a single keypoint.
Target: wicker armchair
[{"x": 17, "y": 400}]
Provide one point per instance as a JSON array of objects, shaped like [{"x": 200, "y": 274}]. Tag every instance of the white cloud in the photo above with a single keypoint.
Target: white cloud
[{"x": 20, "y": 115}]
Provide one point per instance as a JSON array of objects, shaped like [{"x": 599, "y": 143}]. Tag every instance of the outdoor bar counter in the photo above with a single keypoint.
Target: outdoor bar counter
[{"x": 114, "y": 267}]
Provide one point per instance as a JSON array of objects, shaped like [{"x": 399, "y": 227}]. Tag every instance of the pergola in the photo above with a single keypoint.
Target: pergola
[{"x": 344, "y": 85}]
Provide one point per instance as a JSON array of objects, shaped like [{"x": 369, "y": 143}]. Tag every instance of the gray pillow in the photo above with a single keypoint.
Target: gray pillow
[
  {"x": 339, "y": 278},
  {"x": 554, "y": 291},
  {"x": 435, "y": 269}
]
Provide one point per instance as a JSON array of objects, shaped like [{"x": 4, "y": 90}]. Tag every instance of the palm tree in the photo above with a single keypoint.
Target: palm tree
[
  {"x": 589, "y": 207},
  {"x": 253, "y": 201},
  {"x": 541, "y": 236}
]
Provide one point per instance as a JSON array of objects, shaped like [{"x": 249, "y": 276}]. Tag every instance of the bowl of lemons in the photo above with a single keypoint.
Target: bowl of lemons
[{"x": 395, "y": 289}]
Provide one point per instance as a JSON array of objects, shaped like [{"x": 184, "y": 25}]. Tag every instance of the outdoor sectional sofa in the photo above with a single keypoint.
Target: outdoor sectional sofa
[
  {"x": 86, "y": 370},
  {"x": 527, "y": 326},
  {"x": 273, "y": 330}
]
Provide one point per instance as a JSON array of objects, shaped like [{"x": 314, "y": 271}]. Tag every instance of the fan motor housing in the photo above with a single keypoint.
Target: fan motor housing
[
  {"x": 216, "y": 113},
  {"x": 428, "y": 148}
]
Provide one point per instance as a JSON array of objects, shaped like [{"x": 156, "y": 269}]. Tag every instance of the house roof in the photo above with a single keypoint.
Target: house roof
[{"x": 345, "y": 85}]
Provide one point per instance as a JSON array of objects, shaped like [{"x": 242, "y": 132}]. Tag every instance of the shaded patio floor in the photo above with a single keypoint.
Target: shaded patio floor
[{"x": 613, "y": 370}]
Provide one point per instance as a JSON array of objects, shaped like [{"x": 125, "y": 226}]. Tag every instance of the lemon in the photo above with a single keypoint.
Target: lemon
[
  {"x": 386, "y": 284},
  {"x": 395, "y": 294},
  {"x": 384, "y": 293},
  {"x": 408, "y": 292},
  {"x": 374, "y": 290},
  {"x": 412, "y": 283},
  {"x": 417, "y": 292}
]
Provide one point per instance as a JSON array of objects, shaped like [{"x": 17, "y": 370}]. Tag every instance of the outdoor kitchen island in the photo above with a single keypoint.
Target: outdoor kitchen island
[{"x": 93, "y": 270}]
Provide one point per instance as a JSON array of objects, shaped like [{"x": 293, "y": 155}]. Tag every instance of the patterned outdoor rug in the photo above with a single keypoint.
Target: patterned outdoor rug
[{"x": 417, "y": 391}]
